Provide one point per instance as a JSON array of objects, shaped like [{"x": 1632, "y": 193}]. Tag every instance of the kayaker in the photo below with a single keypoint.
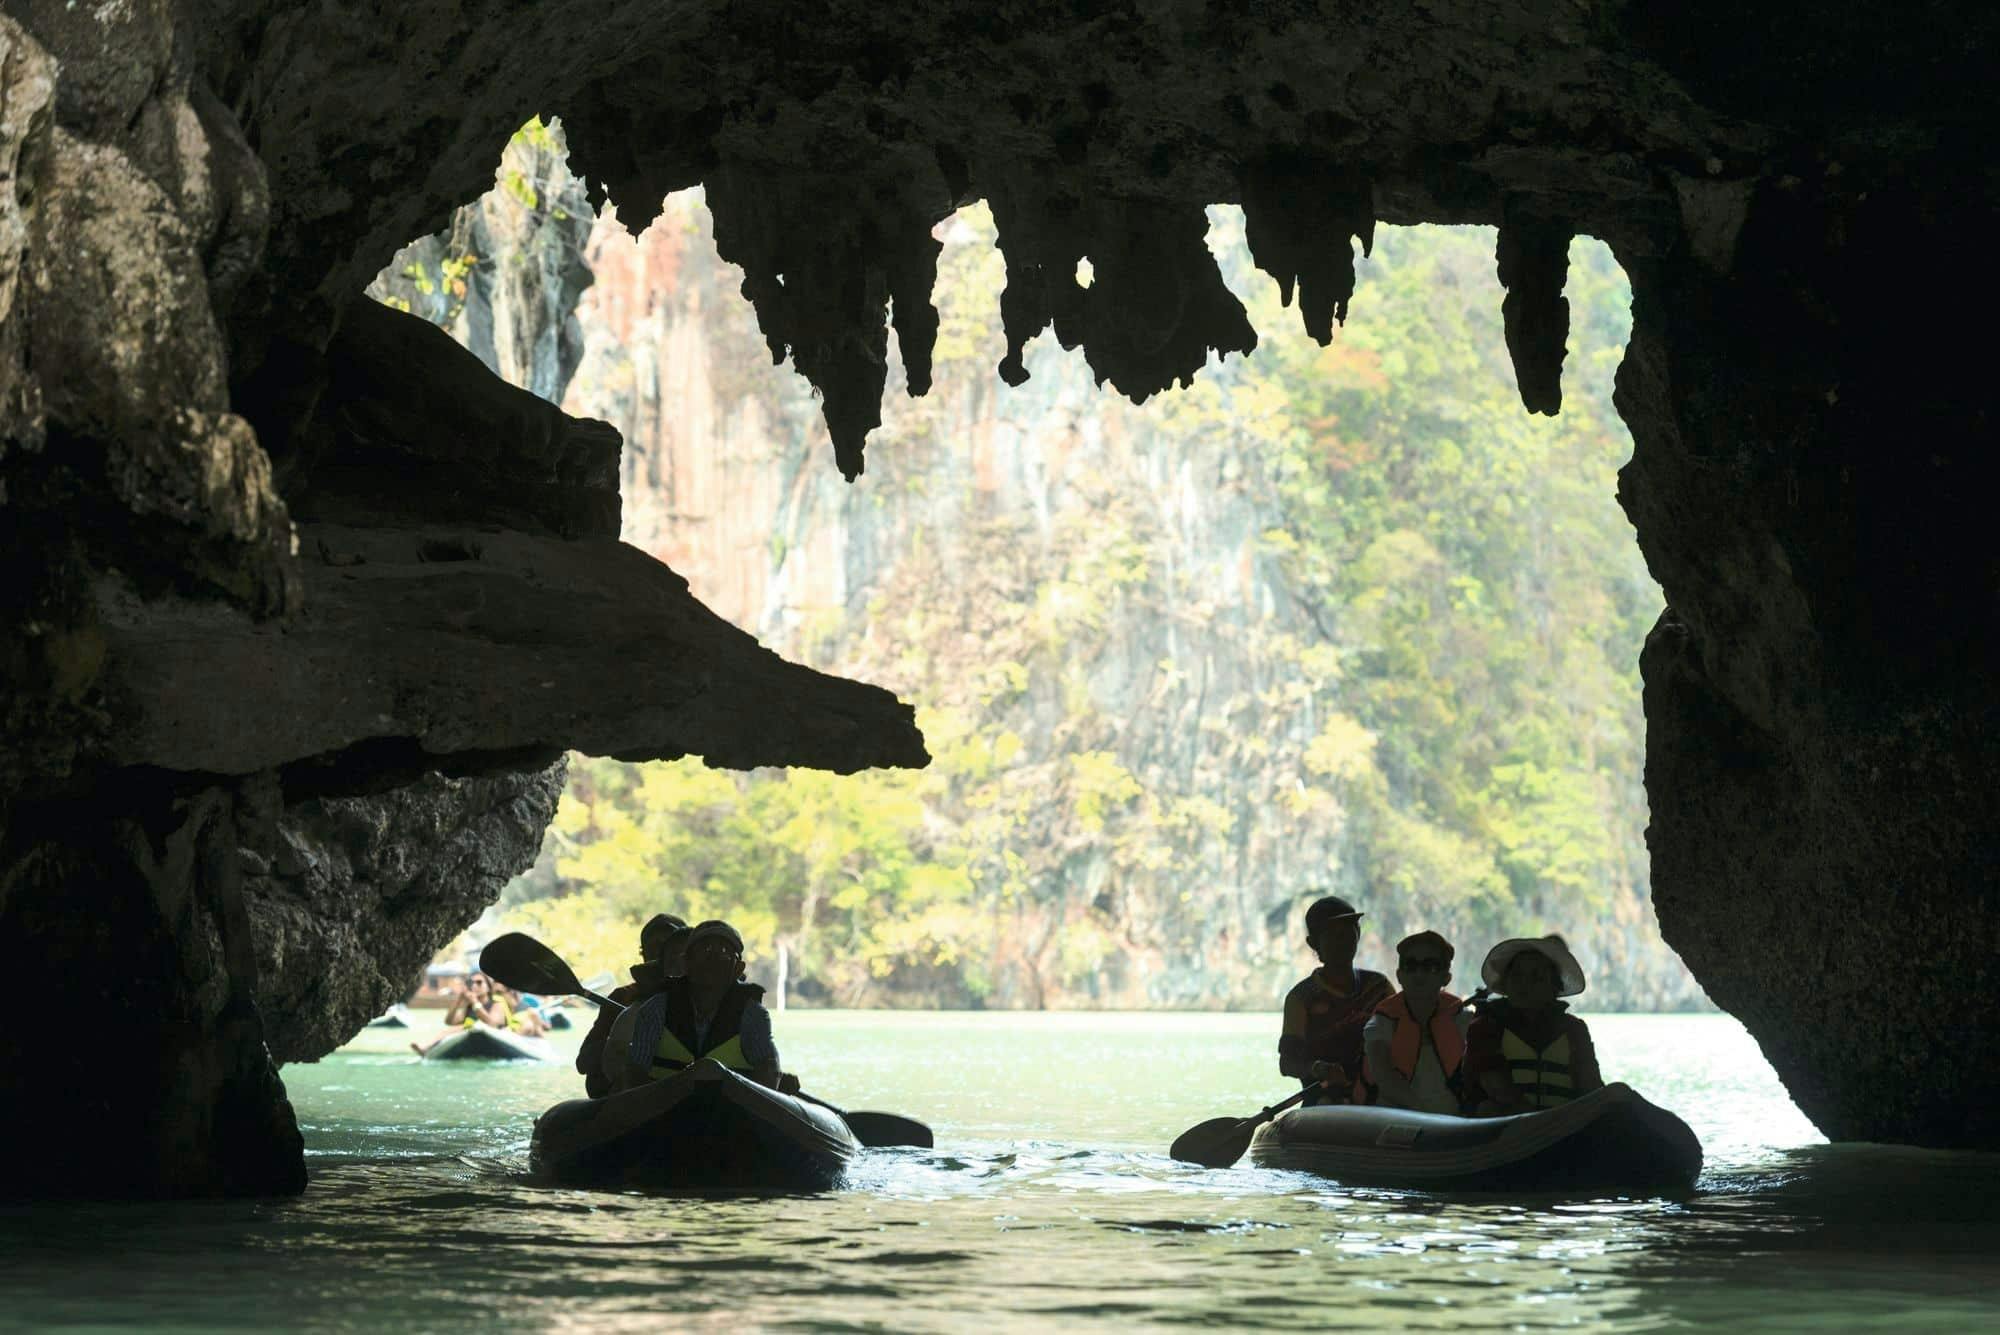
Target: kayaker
[
  {"x": 709, "y": 1012},
  {"x": 476, "y": 1003},
  {"x": 662, "y": 943},
  {"x": 1525, "y": 1051},
  {"x": 1324, "y": 1013},
  {"x": 522, "y": 1018},
  {"x": 1414, "y": 1044}
]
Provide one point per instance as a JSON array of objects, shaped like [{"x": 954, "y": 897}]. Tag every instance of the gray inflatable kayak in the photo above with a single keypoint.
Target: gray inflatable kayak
[
  {"x": 1610, "y": 1140},
  {"x": 705, "y": 1127},
  {"x": 489, "y": 1045}
]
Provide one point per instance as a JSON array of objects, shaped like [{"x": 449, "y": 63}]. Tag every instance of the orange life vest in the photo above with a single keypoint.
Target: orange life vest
[{"x": 1407, "y": 1041}]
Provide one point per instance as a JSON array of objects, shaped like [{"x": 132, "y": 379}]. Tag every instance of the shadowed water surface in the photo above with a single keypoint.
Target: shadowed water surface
[{"x": 1048, "y": 1202}]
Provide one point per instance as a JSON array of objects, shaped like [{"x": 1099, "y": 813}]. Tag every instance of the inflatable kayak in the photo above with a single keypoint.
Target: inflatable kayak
[
  {"x": 703, "y": 1127},
  {"x": 486, "y": 1043},
  {"x": 396, "y": 1017},
  {"x": 1610, "y": 1140}
]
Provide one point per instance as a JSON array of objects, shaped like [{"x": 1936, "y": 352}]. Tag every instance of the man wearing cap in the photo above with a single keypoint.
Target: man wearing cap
[
  {"x": 1321, "y": 1042},
  {"x": 1414, "y": 1044},
  {"x": 708, "y": 1013},
  {"x": 661, "y": 943},
  {"x": 1525, "y": 1052}
]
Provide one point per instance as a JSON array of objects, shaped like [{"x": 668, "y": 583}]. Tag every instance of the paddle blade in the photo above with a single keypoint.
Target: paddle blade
[
  {"x": 880, "y": 1131},
  {"x": 525, "y": 964},
  {"x": 1216, "y": 1143}
]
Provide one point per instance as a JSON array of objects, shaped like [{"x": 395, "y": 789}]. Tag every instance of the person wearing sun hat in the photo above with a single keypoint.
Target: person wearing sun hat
[
  {"x": 1525, "y": 1052},
  {"x": 1321, "y": 1042}
]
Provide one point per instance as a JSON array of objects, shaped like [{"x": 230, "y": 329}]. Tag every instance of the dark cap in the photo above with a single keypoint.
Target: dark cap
[
  {"x": 1324, "y": 911},
  {"x": 659, "y": 929},
  {"x": 1419, "y": 940},
  {"x": 714, "y": 927}
]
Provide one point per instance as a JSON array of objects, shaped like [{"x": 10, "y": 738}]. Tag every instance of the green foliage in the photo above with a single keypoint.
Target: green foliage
[{"x": 842, "y": 873}]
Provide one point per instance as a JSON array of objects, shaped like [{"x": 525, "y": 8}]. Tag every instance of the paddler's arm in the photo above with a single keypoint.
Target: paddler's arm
[
  {"x": 759, "y": 1048},
  {"x": 1486, "y": 1070},
  {"x": 590, "y": 1055},
  {"x": 1392, "y": 1088},
  {"x": 1583, "y": 1073},
  {"x": 1293, "y": 1060}
]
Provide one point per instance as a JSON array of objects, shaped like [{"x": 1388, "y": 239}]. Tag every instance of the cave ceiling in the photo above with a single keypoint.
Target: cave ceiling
[{"x": 831, "y": 138}]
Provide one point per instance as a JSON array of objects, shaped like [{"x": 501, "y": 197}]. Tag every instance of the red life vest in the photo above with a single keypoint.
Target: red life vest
[{"x": 1407, "y": 1042}]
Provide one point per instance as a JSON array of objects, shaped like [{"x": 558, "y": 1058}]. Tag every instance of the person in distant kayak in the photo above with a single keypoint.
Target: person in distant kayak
[
  {"x": 1414, "y": 1045},
  {"x": 1324, "y": 1014},
  {"x": 662, "y": 943},
  {"x": 477, "y": 1003},
  {"x": 709, "y": 1012},
  {"x": 522, "y": 1018},
  {"x": 1525, "y": 1051}
]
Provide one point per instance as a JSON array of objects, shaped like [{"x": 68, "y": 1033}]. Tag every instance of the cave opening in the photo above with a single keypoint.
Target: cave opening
[{"x": 1335, "y": 618}]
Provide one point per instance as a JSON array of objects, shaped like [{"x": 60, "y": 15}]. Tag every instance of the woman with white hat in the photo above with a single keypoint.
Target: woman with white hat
[{"x": 1525, "y": 1052}]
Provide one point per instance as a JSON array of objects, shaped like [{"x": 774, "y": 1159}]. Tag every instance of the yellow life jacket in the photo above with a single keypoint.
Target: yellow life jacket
[
  {"x": 472, "y": 1021},
  {"x": 670, "y": 1054},
  {"x": 672, "y": 1011},
  {"x": 1541, "y": 1076}
]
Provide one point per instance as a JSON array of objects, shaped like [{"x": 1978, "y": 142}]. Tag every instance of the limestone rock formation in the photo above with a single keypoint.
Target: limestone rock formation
[
  {"x": 202, "y": 189},
  {"x": 1810, "y": 477},
  {"x": 357, "y": 893},
  {"x": 216, "y": 716}
]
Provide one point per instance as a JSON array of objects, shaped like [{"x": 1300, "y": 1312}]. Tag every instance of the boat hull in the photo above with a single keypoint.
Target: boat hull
[
  {"x": 488, "y": 1044},
  {"x": 396, "y": 1017},
  {"x": 1610, "y": 1140},
  {"x": 705, "y": 1128}
]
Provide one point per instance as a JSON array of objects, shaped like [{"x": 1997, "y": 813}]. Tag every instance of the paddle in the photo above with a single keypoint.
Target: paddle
[
  {"x": 525, "y": 964},
  {"x": 879, "y": 1130},
  {"x": 1220, "y": 1141}
]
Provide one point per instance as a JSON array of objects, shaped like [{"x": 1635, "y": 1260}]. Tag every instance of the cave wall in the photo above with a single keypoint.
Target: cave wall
[
  {"x": 1810, "y": 478},
  {"x": 260, "y": 530},
  {"x": 278, "y": 726}
]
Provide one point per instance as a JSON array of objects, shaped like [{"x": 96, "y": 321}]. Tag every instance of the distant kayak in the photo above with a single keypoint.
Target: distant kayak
[
  {"x": 705, "y": 1127},
  {"x": 1609, "y": 1140},
  {"x": 396, "y": 1017},
  {"x": 486, "y": 1043}
]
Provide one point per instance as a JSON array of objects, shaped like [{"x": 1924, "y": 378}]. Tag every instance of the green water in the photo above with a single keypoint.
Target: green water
[{"x": 1049, "y": 1203}]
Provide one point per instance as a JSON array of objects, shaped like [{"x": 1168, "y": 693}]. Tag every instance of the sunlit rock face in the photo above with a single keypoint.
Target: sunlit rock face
[{"x": 211, "y": 441}]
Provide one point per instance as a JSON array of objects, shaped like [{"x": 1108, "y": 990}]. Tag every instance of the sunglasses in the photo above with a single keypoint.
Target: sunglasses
[{"x": 1425, "y": 966}]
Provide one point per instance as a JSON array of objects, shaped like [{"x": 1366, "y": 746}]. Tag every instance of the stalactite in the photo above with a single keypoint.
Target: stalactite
[
  {"x": 1534, "y": 264},
  {"x": 1156, "y": 304},
  {"x": 1298, "y": 218}
]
